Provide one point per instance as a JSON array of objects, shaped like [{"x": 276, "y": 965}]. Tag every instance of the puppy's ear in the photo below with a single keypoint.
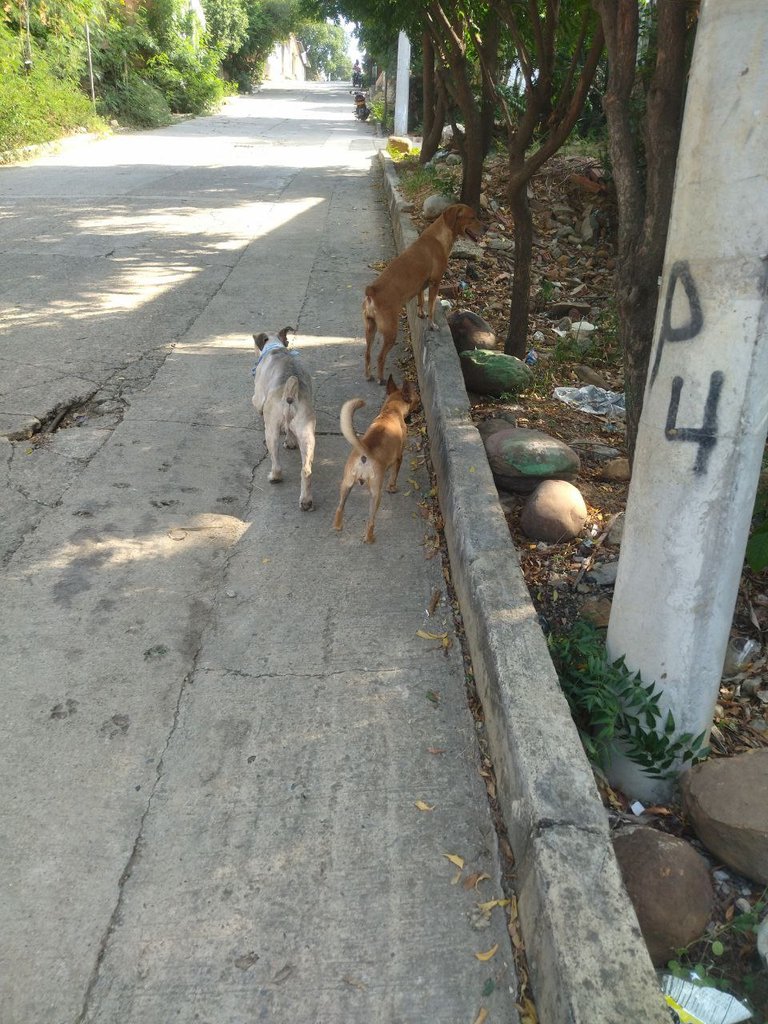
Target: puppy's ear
[
  {"x": 283, "y": 335},
  {"x": 391, "y": 386},
  {"x": 451, "y": 215},
  {"x": 261, "y": 340}
]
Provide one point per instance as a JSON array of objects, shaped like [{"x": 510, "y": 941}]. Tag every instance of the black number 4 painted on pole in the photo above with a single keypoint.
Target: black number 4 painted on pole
[{"x": 704, "y": 436}]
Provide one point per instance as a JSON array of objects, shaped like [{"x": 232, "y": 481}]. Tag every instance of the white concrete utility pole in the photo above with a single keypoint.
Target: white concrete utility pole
[
  {"x": 703, "y": 426},
  {"x": 402, "y": 84}
]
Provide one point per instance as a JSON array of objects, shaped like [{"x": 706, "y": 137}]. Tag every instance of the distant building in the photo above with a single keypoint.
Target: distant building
[{"x": 288, "y": 60}]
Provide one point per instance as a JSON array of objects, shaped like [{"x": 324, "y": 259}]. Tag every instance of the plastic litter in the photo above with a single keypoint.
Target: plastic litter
[
  {"x": 531, "y": 357},
  {"x": 762, "y": 940},
  {"x": 578, "y": 328},
  {"x": 740, "y": 651},
  {"x": 697, "y": 1003},
  {"x": 593, "y": 400}
]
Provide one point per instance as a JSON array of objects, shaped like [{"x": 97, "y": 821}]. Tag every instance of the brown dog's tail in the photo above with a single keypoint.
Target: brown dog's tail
[{"x": 347, "y": 428}]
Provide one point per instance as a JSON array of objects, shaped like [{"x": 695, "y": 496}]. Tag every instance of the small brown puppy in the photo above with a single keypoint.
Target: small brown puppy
[
  {"x": 422, "y": 264},
  {"x": 380, "y": 448}
]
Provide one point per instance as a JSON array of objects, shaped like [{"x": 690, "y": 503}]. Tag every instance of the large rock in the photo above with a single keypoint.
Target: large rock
[
  {"x": 400, "y": 143},
  {"x": 435, "y": 205},
  {"x": 616, "y": 471},
  {"x": 670, "y": 887},
  {"x": 521, "y": 458},
  {"x": 470, "y": 331},
  {"x": 726, "y": 800},
  {"x": 555, "y": 512},
  {"x": 494, "y": 373}
]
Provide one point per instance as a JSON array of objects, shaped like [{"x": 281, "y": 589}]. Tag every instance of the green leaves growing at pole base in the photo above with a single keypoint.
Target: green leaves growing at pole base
[{"x": 613, "y": 709}]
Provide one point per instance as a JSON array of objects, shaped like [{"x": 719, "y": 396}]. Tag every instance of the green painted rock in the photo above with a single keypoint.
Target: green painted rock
[
  {"x": 494, "y": 373},
  {"x": 520, "y": 458}
]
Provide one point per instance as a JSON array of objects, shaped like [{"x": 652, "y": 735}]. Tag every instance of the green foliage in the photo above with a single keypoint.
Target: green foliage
[
  {"x": 611, "y": 707},
  {"x": 269, "y": 22},
  {"x": 724, "y": 958},
  {"x": 377, "y": 113},
  {"x": 325, "y": 45},
  {"x": 136, "y": 103},
  {"x": 415, "y": 177},
  {"x": 226, "y": 24},
  {"x": 757, "y": 546},
  {"x": 188, "y": 78},
  {"x": 39, "y": 106}
]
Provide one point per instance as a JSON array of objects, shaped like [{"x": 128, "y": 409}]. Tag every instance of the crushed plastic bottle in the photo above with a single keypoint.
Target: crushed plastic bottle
[
  {"x": 531, "y": 357},
  {"x": 695, "y": 1002},
  {"x": 740, "y": 652}
]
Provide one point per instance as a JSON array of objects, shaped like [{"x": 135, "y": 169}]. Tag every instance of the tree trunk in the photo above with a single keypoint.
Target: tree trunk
[
  {"x": 471, "y": 144},
  {"x": 490, "y": 40},
  {"x": 637, "y": 295},
  {"x": 517, "y": 333},
  {"x": 644, "y": 205},
  {"x": 434, "y": 105},
  {"x": 472, "y": 168}
]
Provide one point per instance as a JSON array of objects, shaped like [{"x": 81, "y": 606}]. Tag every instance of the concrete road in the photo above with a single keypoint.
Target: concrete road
[{"x": 217, "y": 715}]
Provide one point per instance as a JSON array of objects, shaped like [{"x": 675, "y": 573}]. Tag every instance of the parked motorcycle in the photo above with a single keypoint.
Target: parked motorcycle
[{"x": 357, "y": 79}]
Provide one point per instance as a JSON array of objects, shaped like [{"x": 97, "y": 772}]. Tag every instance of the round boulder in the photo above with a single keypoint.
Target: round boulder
[
  {"x": 399, "y": 143},
  {"x": 435, "y": 205},
  {"x": 521, "y": 458},
  {"x": 670, "y": 888},
  {"x": 554, "y": 512},
  {"x": 726, "y": 802},
  {"x": 470, "y": 331},
  {"x": 494, "y": 373}
]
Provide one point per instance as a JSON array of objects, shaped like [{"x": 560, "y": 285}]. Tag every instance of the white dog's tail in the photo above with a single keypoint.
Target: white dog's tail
[
  {"x": 347, "y": 428},
  {"x": 290, "y": 396}
]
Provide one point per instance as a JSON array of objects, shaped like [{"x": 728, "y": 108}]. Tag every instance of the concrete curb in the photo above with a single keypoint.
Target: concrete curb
[{"x": 588, "y": 961}]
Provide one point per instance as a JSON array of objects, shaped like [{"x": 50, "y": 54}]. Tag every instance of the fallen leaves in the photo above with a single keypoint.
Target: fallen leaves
[
  {"x": 488, "y": 954},
  {"x": 423, "y": 806},
  {"x": 454, "y": 858},
  {"x": 426, "y": 635},
  {"x": 472, "y": 881}
]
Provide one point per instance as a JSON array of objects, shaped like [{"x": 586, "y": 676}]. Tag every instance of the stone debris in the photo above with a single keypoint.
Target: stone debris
[
  {"x": 726, "y": 800},
  {"x": 555, "y": 511},
  {"x": 670, "y": 887}
]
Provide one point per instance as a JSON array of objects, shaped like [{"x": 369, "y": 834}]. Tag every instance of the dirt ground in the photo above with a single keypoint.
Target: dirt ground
[{"x": 574, "y": 261}]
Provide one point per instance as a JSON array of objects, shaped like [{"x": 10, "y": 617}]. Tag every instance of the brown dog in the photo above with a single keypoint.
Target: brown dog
[
  {"x": 380, "y": 448},
  {"x": 422, "y": 264}
]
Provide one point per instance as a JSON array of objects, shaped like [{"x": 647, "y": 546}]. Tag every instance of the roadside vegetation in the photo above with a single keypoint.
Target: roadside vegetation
[{"x": 84, "y": 65}]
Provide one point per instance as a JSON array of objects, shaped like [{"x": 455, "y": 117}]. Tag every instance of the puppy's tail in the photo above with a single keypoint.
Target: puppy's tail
[{"x": 347, "y": 428}]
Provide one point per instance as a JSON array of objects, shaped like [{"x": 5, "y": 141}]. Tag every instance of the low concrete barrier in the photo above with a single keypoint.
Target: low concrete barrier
[{"x": 588, "y": 961}]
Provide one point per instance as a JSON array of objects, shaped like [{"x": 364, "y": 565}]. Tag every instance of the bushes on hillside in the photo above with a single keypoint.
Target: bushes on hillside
[{"x": 37, "y": 105}]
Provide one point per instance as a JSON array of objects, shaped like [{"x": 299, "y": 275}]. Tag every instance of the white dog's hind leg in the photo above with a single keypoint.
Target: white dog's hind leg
[
  {"x": 272, "y": 437},
  {"x": 306, "y": 438}
]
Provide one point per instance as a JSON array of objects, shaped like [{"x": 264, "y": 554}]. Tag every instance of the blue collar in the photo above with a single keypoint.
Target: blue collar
[{"x": 271, "y": 346}]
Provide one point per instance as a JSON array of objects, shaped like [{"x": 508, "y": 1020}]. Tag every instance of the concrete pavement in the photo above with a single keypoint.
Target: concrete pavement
[{"x": 217, "y": 714}]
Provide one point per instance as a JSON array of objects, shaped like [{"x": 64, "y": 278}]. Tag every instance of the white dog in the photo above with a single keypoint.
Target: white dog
[{"x": 282, "y": 394}]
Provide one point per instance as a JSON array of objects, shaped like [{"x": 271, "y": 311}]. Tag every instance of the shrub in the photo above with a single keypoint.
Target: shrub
[
  {"x": 610, "y": 705},
  {"x": 136, "y": 103},
  {"x": 188, "y": 78},
  {"x": 39, "y": 107}
]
